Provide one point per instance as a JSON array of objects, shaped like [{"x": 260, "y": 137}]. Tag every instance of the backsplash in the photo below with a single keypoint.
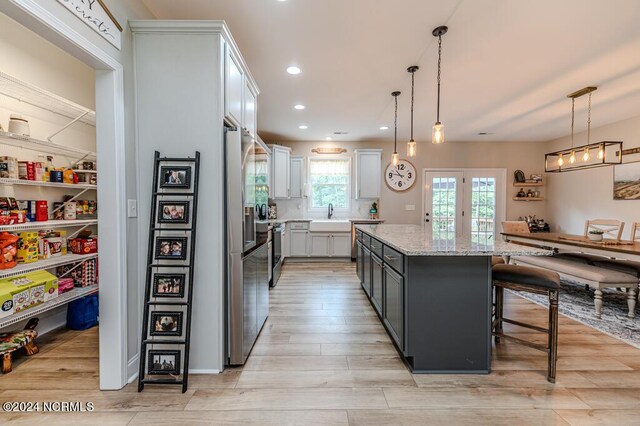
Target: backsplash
[{"x": 297, "y": 209}]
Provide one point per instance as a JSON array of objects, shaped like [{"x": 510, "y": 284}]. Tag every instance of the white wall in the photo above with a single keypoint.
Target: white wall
[
  {"x": 574, "y": 197},
  {"x": 527, "y": 156}
]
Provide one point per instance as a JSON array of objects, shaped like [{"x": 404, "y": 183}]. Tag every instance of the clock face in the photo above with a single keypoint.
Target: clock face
[{"x": 400, "y": 177}]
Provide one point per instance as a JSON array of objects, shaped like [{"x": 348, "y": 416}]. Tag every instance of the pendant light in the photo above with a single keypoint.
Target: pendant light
[
  {"x": 437, "y": 134},
  {"x": 411, "y": 146},
  {"x": 395, "y": 157},
  {"x": 572, "y": 157}
]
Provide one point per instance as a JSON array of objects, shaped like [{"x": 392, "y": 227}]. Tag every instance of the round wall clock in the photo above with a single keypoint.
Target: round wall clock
[{"x": 400, "y": 177}]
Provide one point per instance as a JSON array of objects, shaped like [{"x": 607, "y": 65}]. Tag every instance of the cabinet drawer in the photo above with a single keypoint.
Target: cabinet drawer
[
  {"x": 366, "y": 240},
  {"x": 393, "y": 258},
  {"x": 376, "y": 247},
  {"x": 358, "y": 235},
  {"x": 299, "y": 225}
]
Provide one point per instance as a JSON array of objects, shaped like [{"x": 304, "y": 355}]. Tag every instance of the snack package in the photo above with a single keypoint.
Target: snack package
[
  {"x": 8, "y": 250},
  {"x": 28, "y": 247}
]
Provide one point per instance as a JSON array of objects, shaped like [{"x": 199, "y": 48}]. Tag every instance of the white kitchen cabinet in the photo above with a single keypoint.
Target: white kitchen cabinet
[
  {"x": 250, "y": 119},
  {"x": 297, "y": 177},
  {"x": 341, "y": 245},
  {"x": 281, "y": 171},
  {"x": 368, "y": 173},
  {"x": 320, "y": 244},
  {"x": 299, "y": 246},
  {"x": 233, "y": 84}
]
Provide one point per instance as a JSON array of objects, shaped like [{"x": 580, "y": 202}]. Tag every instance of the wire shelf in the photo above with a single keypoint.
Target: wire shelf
[
  {"x": 63, "y": 299},
  {"x": 46, "y": 147},
  {"x": 40, "y": 265},
  {"x": 8, "y": 181},
  {"x": 35, "y": 96},
  {"x": 49, "y": 224}
]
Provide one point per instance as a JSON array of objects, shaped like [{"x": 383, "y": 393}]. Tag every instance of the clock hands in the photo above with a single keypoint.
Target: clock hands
[{"x": 398, "y": 173}]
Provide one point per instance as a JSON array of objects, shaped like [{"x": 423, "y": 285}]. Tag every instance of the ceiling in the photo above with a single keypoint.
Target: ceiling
[{"x": 506, "y": 69}]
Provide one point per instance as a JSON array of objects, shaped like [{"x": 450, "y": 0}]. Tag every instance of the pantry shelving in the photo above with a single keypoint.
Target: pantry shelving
[
  {"x": 40, "y": 265},
  {"x": 8, "y": 181},
  {"x": 49, "y": 224},
  {"x": 47, "y": 147},
  {"x": 62, "y": 299}
]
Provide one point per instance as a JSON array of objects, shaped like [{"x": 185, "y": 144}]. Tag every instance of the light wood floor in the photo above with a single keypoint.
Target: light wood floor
[{"x": 324, "y": 359}]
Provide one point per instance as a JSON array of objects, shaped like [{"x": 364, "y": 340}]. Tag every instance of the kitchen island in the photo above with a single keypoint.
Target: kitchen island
[{"x": 432, "y": 291}]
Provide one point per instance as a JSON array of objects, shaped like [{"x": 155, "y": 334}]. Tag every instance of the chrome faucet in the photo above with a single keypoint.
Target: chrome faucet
[{"x": 330, "y": 210}]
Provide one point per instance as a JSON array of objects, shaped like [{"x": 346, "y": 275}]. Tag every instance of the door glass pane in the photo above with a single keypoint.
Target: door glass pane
[
  {"x": 483, "y": 209},
  {"x": 444, "y": 207}
]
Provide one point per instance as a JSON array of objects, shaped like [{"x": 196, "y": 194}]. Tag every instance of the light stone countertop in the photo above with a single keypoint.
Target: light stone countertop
[{"x": 416, "y": 240}]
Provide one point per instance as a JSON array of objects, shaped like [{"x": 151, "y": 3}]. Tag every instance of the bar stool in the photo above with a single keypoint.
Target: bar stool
[{"x": 531, "y": 280}]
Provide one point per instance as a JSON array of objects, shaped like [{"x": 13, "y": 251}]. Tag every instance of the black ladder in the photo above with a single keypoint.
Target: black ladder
[{"x": 166, "y": 324}]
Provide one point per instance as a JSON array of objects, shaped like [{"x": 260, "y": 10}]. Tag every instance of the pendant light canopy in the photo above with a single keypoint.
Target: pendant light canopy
[
  {"x": 411, "y": 145},
  {"x": 437, "y": 134},
  {"x": 395, "y": 157}
]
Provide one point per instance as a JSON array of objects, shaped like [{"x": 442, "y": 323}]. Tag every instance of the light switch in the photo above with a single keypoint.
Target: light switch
[
  {"x": 132, "y": 208},
  {"x": 410, "y": 207}
]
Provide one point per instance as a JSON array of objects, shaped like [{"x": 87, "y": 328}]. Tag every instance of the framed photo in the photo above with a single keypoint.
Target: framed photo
[
  {"x": 171, "y": 248},
  {"x": 173, "y": 211},
  {"x": 169, "y": 285},
  {"x": 164, "y": 362},
  {"x": 626, "y": 181},
  {"x": 175, "y": 177},
  {"x": 165, "y": 323}
]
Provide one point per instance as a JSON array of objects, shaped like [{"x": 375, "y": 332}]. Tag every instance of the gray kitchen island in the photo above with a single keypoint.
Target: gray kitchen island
[{"x": 432, "y": 291}]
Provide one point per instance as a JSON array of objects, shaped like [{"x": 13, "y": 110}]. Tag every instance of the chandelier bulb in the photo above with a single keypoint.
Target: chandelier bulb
[
  {"x": 560, "y": 160},
  {"x": 601, "y": 152},
  {"x": 572, "y": 158},
  {"x": 437, "y": 135},
  {"x": 586, "y": 157},
  {"x": 395, "y": 158},
  {"x": 411, "y": 148}
]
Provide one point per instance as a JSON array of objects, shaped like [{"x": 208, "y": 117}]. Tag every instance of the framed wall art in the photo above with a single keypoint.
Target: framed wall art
[
  {"x": 165, "y": 323},
  {"x": 169, "y": 285},
  {"x": 626, "y": 181},
  {"x": 164, "y": 362},
  {"x": 175, "y": 177},
  {"x": 174, "y": 248},
  {"x": 173, "y": 211}
]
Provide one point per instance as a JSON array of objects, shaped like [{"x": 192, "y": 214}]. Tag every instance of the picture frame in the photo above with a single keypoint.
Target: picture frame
[
  {"x": 172, "y": 248},
  {"x": 164, "y": 362},
  {"x": 175, "y": 177},
  {"x": 166, "y": 323},
  {"x": 169, "y": 285},
  {"x": 174, "y": 211},
  {"x": 626, "y": 181}
]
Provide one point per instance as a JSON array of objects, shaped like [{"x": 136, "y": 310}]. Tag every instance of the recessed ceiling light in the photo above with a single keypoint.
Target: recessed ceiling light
[
  {"x": 303, "y": 127},
  {"x": 293, "y": 70},
  {"x": 384, "y": 128},
  {"x": 328, "y": 138},
  {"x": 299, "y": 106}
]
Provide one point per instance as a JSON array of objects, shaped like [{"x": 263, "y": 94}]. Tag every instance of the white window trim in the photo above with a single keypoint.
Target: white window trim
[{"x": 310, "y": 207}]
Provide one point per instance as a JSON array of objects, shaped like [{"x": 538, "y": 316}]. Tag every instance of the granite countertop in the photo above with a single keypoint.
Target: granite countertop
[
  {"x": 416, "y": 240},
  {"x": 337, "y": 219}
]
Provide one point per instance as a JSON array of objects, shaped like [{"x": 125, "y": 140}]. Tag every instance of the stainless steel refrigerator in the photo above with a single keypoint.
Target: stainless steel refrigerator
[{"x": 246, "y": 248}]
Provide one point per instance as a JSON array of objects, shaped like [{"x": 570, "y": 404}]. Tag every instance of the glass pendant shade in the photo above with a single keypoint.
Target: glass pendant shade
[
  {"x": 395, "y": 158},
  {"x": 586, "y": 156},
  {"x": 560, "y": 160},
  {"x": 572, "y": 157},
  {"x": 411, "y": 148},
  {"x": 437, "y": 135},
  {"x": 601, "y": 153}
]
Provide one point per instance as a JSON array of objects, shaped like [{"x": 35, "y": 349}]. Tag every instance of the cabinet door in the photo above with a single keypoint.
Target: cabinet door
[
  {"x": 341, "y": 245},
  {"x": 250, "y": 317},
  {"x": 366, "y": 271},
  {"x": 359, "y": 259},
  {"x": 394, "y": 305},
  {"x": 320, "y": 244},
  {"x": 298, "y": 247},
  {"x": 233, "y": 84},
  {"x": 297, "y": 177},
  {"x": 250, "y": 110},
  {"x": 280, "y": 173},
  {"x": 262, "y": 268},
  {"x": 368, "y": 174},
  {"x": 376, "y": 283}
]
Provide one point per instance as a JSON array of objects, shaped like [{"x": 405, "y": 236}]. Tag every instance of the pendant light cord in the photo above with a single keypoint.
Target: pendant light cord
[
  {"x": 439, "y": 63},
  {"x": 413, "y": 75},
  {"x": 395, "y": 126},
  {"x": 573, "y": 116},
  {"x": 589, "y": 121}
]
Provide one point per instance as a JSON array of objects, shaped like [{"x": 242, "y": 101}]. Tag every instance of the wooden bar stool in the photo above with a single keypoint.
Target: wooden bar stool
[{"x": 531, "y": 280}]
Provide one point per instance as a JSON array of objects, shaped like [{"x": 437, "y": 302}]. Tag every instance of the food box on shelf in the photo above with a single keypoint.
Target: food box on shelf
[
  {"x": 65, "y": 284},
  {"x": 52, "y": 244},
  {"x": 84, "y": 275},
  {"x": 84, "y": 245},
  {"x": 26, "y": 291},
  {"x": 28, "y": 247},
  {"x": 8, "y": 167}
]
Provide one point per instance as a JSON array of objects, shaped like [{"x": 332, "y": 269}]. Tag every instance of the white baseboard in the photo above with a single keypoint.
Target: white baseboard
[
  {"x": 132, "y": 368},
  {"x": 203, "y": 371}
]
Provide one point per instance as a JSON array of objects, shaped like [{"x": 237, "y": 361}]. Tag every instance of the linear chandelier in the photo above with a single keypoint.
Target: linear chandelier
[{"x": 607, "y": 153}]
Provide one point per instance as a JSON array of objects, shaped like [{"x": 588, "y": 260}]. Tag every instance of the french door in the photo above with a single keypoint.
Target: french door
[{"x": 461, "y": 202}]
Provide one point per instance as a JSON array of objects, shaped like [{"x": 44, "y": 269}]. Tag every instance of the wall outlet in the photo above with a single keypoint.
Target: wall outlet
[
  {"x": 132, "y": 208},
  {"x": 410, "y": 207}
]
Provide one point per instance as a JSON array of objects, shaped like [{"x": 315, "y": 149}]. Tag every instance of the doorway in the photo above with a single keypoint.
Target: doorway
[{"x": 461, "y": 202}]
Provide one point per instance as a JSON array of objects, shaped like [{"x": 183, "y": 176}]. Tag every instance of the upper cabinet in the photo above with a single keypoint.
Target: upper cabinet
[
  {"x": 297, "y": 177},
  {"x": 281, "y": 158},
  {"x": 233, "y": 84},
  {"x": 368, "y": 173},
  {"x": 250, "y": 120}
]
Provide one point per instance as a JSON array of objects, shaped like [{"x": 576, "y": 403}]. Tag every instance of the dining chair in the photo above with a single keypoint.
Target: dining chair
[
  {"x": 515, "y": 227},
  {"x": 612, "y": 228}
]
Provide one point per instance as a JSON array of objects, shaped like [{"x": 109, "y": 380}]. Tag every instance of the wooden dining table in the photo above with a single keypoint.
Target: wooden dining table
[{"x": 624, "y": 249}]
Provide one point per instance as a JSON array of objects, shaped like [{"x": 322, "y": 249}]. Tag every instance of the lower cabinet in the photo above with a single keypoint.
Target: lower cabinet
[
  {"x": 377, "y": 276},
  {"x": 366, "y": 271},
  {"x": 394, "y": 305},
  {"x": 298, "y": 246},
  {"x": 359, "y": 259},
  {"x": 329, "y": 245},
  {"x": 341, "y": 244}
]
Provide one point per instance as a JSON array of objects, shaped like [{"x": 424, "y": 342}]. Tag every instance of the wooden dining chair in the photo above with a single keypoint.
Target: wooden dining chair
[
  {"x": 612, "y": 228},
  {"x": 515, "y": 227}
]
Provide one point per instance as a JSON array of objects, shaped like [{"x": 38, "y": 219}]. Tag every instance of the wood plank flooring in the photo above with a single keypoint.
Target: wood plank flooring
[{"x": 323, "y": 358}]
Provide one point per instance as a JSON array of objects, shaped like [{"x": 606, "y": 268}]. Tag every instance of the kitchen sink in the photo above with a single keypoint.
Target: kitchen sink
[{"x": 330, "y": 225}]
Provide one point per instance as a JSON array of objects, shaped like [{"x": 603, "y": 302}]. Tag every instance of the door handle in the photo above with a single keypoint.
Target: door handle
[{"x": 391, "y": 258}]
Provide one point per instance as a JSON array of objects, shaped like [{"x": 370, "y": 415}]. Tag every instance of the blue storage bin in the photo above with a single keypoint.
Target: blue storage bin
[{"x": 83, "y": 313}]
